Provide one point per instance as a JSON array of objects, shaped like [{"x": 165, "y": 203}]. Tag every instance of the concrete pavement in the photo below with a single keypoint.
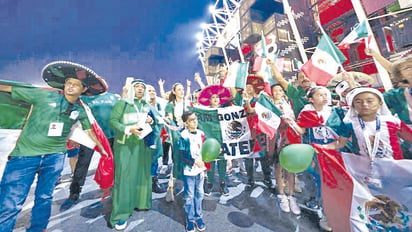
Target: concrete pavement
[{"x": 255, "y": 210}]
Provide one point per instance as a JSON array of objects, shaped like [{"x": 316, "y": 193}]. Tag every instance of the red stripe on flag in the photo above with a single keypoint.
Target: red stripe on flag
[
  {"x": 337, "y": 188},
  {"x": 317, "y": 75}
]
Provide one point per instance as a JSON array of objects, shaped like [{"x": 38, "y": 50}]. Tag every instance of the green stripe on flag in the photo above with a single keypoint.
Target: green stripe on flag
[
  {"x": 267, "y": 103},
  {"x": 208, "y": 122}
]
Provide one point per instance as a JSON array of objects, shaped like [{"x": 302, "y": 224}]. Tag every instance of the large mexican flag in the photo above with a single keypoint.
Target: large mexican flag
[
  {"x": 229, "y": 126},
  {"x": 363, "y": 195}
]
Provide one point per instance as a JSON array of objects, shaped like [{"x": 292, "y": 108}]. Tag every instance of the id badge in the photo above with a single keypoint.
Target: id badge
[{"x": 55, "y": 129}]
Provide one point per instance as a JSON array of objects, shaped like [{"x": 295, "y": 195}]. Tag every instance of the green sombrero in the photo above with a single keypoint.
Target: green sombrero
[{"x": 56, "y": 73}]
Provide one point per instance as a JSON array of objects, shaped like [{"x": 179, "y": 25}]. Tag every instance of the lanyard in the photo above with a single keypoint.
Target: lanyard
[{"x": 371, "y": 150}]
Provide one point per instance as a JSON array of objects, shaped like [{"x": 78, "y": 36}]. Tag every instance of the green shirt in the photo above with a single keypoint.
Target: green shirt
[
  {"x": 297, "y": 96},
  {"x": 101, "y": 106},
  {"x": 48, "y": 107},
  {"x": 397, "y": 103}
]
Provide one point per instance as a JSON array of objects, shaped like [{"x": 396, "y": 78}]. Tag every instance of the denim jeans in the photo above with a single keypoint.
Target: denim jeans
[
  {"x": 15, "y": 185},
  {"x": 193, "y": 196}
]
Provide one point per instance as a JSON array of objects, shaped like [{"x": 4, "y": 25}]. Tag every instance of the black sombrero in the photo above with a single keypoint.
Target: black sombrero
[{"x": 56, "y": 73}]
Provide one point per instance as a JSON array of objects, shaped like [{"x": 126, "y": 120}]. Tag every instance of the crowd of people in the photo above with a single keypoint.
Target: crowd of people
[{"x": 143, "y": 128}]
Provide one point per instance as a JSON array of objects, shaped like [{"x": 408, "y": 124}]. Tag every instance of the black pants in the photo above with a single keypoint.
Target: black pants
[
  {"x": 82, "y": 167},
  {"x": 166, "y": 148},
  {"x": 249, "y": 165}
]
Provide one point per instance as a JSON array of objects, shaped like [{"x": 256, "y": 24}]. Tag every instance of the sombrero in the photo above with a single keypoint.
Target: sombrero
[
  {"x": 361, "y": 78},
  {"x": 206, "y": 94},
  {"x": 256, "y": 81},
  {"x": 56, "y": 73}
]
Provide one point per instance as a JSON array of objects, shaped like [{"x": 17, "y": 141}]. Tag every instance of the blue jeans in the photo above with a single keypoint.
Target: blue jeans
[
  {"x": 315, "y": 172},
  {"x": 193, "y": 196},
  {"x": 15, "y": 185}
]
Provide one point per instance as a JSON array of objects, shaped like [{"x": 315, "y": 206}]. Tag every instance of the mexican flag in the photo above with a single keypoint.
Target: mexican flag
[
  {"x": 369, "y": 198},
  {"x": 229, "y": 126},
  {"x": 268, "y": 115},
  {"x": 355, "y": 36},
  {"x": 324, "y": 63},
  {"x": 104, "y": 175},
  {"x": 236, "y": 75},
  {"x": 261, "y": 67}
]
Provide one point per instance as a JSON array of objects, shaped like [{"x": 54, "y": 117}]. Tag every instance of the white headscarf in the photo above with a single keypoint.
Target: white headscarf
[
  {"x": 383, "y": 110},
  {"x": 340, "y": 88},
  {"x": 131, "y": 95}
]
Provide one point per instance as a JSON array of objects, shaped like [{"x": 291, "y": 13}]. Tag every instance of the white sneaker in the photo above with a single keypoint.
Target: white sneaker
[
  {"x": 163, "y": 169},
  {"x": 293, "y": 205},
  {"x": 120, "y": 225},
  {"x": 323, "y": 223},
  {"x": 284, "y": 203}
]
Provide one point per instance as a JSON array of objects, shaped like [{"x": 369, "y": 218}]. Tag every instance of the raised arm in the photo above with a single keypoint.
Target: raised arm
[
  {"x": 188, "y": 89},
  {"x": 199, "y": 81},
  {"x": 386, "y": 64},
  {"x": 161, "y": 88},
  {"x": 276, "y": 74}
]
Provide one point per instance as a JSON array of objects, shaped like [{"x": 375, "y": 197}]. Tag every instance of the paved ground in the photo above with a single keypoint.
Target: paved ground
[{"x": 256, "y": 210}]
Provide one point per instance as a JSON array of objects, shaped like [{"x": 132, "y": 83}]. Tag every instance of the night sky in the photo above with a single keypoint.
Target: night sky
[{"x": 147, "y": 39}]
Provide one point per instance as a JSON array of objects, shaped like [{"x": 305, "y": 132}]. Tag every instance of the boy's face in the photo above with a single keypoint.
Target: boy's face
[
  {"x": 191, "y": 122},
  {"x": 73, "y": 87},
  {"x": 367, "y": 104}
]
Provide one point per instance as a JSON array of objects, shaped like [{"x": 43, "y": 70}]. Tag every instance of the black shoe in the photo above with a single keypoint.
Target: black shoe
[
  {"x": 207, "y": 187},
  {"x": 74, "y": 197},
  {"x": 268, "y": 183},
  {"x": 223, "y": 189},
  {"x": 249, "y": 186},
  {"x": 140, "y": 210},
  {"x": 156, "y": 187}
]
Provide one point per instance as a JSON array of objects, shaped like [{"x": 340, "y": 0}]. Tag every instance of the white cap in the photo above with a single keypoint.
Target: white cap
[{"x": 341, "y": 87}]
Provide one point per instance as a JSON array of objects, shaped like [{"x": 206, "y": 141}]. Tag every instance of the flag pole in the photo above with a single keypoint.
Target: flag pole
[
  {"x": 295, "y": 31},
  {"x": 383, "y": 74},
  {"x": 225, "y": 55},
  {"x": 239, "y": 49},
  {"x": 331, "y": 45}
]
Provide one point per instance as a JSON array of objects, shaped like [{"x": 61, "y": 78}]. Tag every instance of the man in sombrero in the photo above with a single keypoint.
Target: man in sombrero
[{"x": 42, "y": 143}]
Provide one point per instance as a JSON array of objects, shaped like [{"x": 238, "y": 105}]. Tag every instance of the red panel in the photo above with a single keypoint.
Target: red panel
[
  {"x": 332, "y": 12},
  {"x": 337, "y": 32},
  {"x": 369, "y": 69}
]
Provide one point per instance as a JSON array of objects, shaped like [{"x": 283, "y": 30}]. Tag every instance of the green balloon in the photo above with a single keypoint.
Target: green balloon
[
  {"x": 210, "y": 150},
  {"x": 296, "y": 158}
]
